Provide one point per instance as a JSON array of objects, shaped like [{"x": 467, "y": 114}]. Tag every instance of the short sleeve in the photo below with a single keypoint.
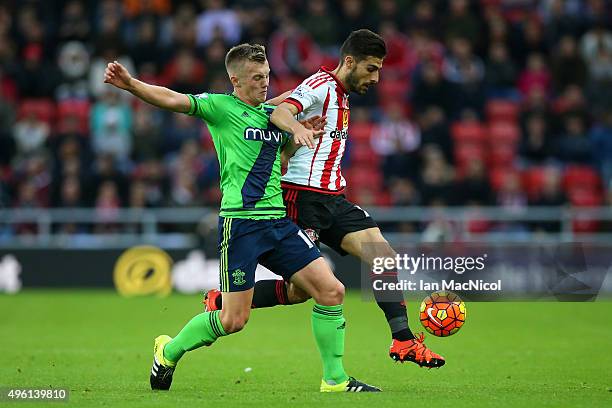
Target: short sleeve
[
  {"x": 203, "y": 106},
  {"x": 304, "y": 96}
]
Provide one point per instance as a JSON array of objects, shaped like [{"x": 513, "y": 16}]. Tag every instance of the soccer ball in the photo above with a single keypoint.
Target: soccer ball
[{"x": 442, "y": 313}]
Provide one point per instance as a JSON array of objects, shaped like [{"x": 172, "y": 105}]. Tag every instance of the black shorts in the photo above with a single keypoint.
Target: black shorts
[{"x": 326, "y": 218}]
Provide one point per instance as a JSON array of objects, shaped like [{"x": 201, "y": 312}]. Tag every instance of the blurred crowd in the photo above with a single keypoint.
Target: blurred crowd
[{"x": 484, "y": 102}]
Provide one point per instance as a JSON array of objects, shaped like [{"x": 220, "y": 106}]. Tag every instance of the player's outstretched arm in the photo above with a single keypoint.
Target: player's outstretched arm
[
  {"x": 116, "y": 75},
  {"x": 283, "y": 117},
  {"x": 277, "y": 100}
]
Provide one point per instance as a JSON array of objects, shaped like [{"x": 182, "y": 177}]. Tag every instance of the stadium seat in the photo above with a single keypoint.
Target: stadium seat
[
  {"x": 502, "y": 110},
  {"x": 533, "y": 180},
  {"x": 465, "y": 153},
  {"x": 364, "y": 177},
  {"x": 363, "y": 156},
  {"x": 501, "y": 155},
  {"x": 468, "y": 133},
  {"x": 383, "y": 199},
  {"x": 282, "y": 84},
  {"x": 359, "y": 133},
  {"x": 504, "y": 132},
  {"x": 43, "y": 109},
  {"x": 583, "y": 197},
  {"x": 74, "y": 108},
  {"x": 479, "y": 225},
  {"x": 497, "y": 176},
  {"x": 392, "y": 91},
  {"x": 583, "y": 177}
]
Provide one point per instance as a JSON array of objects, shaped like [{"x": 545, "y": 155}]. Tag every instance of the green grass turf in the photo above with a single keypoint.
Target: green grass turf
[{"x": 100, "y": 346}]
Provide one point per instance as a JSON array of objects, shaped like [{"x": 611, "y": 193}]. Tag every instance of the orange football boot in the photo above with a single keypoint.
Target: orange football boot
[
  {"x": 210, "y": 300},
  {"x": 415, "y": 351}
]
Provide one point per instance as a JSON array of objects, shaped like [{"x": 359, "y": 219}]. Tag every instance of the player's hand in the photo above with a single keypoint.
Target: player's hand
[
  {"x": 306, "y": 137},
  {"x": 315, "y": 122},
  {"x": 116, "y": 74}
]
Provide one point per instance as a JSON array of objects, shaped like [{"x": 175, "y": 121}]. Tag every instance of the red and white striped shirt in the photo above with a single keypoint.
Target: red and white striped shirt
[{"x": 319, "y": 169}]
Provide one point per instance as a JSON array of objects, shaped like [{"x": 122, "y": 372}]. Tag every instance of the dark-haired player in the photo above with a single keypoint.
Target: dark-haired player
[{"x": 313, "y": 186}]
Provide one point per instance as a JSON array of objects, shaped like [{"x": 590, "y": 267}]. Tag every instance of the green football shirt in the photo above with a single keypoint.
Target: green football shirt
[{"x": 248, "y": 148}]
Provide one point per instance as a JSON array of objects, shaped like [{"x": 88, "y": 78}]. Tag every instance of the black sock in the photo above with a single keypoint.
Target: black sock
[
  {"x": 393, "y": 306},
  {"x": 219, "y": 302},
  {"x": 267, "y": 293},
  {"x": 395, "y": 312}
]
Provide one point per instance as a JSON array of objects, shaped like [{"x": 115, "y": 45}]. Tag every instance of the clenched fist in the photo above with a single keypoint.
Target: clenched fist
[{"x": 116, "y": 74}]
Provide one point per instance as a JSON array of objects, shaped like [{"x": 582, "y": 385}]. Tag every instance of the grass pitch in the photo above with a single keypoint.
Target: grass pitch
[{"x": 99, "y": 345}]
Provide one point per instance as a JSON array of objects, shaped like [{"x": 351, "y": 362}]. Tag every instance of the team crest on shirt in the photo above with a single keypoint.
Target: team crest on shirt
[
  {"x": 202, "y": 95},
  {"x": 312, "y": 234}
]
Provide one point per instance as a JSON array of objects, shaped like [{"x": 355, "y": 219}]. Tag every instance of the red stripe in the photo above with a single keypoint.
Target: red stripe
[
  {"x": 288, "y": 203},
  {"x": 329, "y": 163},
  {"x": 323, "y": 113},
  {"x": 295, "y": 103},
  {"x": 295, "y": 207},
  {"x": 335, "y": 147},
  {"x": 316, "y": 77},
  {"x": 338, "y": 178},
  {"x": 324, "y": 81},
  {"x": 291, "y": 209},
  {"x": 339, "y": 171},
  {"x": 291, "y": 186},
  {"x": 295, "y": 210},
  {"x": 276, "y": 292},
  {"x": 291, "y": 206},
  {"x": 280, "y": 293}
]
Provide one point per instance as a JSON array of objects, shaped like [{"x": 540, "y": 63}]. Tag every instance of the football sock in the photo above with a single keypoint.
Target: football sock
[
  {"x": 269, "y": 293},
  {"x": 393, "y": 306},
  {"x": 395, "y": 313},
  {"x": 200, "y": 331},
  {"x": 328, "y": 326}
]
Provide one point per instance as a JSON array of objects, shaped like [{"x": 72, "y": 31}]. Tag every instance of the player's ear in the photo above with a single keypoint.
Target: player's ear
[
  {"x": 349, "y": 61},
  {"x": 235, "y": 81}
]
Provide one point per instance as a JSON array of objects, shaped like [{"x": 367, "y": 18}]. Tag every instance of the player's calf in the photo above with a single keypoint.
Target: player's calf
[
  {"x": 236, "y": 310},
  {"x": 233, "y": 323}
]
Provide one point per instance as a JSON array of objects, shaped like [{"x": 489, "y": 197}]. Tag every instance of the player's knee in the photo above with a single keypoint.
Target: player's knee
[
  {"x": 339, "y": 292},
  {"x": 334, "y": 295}
]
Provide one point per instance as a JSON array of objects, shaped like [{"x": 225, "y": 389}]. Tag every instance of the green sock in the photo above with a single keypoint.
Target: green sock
[
  {"x": 328, "y": 327},
  {"x": 200, "y": 331}
]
